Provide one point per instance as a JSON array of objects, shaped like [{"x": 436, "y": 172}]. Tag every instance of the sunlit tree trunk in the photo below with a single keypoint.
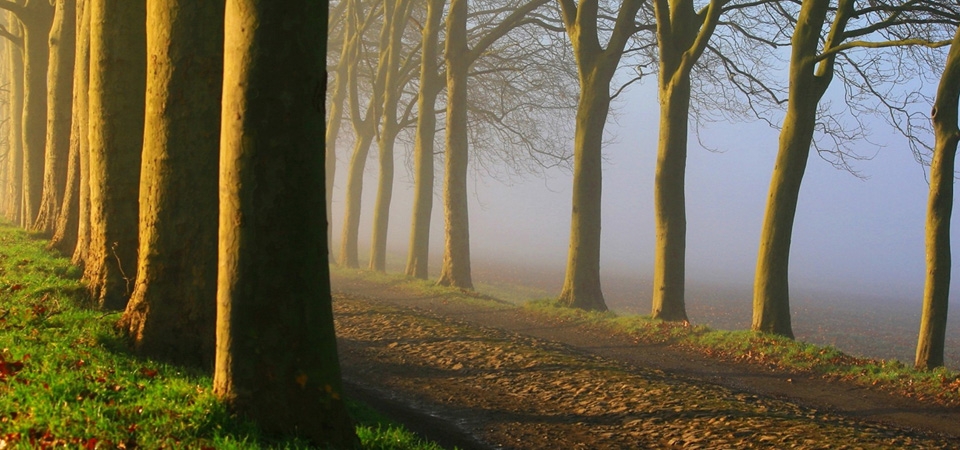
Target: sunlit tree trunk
[
  {"x": 936, "y": 293},
  {"x": 116, "y": 111},
  {"x": 365, "y": 125},
  {"x": 68, "y": 221},
  {"x": 79, "y": 136},
  {"x": 455, "y": 268},
  {"x": 595, "y": 67},
  {"x": 172, "y": 312},
  {"x": 339, "y": 97},
  {"x": 14, "y": 111},
  {"x": 62, "y": 51},
  {"x": 276, "y": 357},
  {"x": 423, "y": 160},
  {"x": 682, "y": 36},
  {"x": 35, "y": 18},
  {"x": 387, "y": 137},
  {"x": 808, "y": 82}
]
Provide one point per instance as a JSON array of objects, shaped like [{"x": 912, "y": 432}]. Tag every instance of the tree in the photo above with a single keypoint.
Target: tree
[
  {"x": 62, "y": 50},
  {"x": 35, "y": 18},
  {"x": 431, "y": 83},
  {"x": 398, "y": 72},
  {"x": 365, "y": 124},
  {"x": 822, "y": 34},
  {"x": 172, "y": 311},
  {"x": 276, "y": 349},
  {"x": 67, "y": 229},
  {"x": 14, "y": 107},
  {"x": 79, "y": 137},
  {"x": 116, "y": 112},
  {"x": 936, "y": 293},
  {"x": 596, "y": 67},
  {"x": 682, "y": 36},
  {"x": 458, "y": 57}
]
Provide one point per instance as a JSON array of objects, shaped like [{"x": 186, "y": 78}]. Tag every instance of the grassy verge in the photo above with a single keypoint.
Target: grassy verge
[
  {"x": 941, "y": 385},
  {"x": 67, "y": 380}
]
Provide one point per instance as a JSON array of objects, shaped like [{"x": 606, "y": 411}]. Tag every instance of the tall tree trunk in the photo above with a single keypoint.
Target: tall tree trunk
[
  {"x": 117, "y": 81},
  {"x": 581, "y": 286},
  {"x": 682, "y": 36},
  {"x": 338, "y": 98},
  {"x": 423, "y": 162},
  {"x": 365, "y": 125},
  {"x": 771, "y": 293},
  {"x": 455, "y": 269},
  {"x": 60, "y": 67},
  {"x": 669, "y": 202},
  {"x": 398, "y": 13},
  {"x": 276, "y": 349},
  {"x": 595, "y": 68},
  {"x": 79, "y": 136},
  {"x": 14, "y": 57},
  {"x": 936, "y": 292},
  {"x": 172, "y": 313},
  {"x": 36, "y": 18},
  {"x": 68, "y": 221},
  {"x": 354, "y": 193}
]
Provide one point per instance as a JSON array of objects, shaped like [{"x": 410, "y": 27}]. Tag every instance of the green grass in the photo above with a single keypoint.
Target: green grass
[{"x": 67, "y": 379}]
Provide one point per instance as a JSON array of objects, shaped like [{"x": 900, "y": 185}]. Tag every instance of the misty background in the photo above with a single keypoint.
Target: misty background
[{"x": 857, "y": 258}]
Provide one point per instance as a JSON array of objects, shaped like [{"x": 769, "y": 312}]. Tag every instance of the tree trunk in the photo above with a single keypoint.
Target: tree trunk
[
  {"x": 354, "y": 193},
  {"x": 398, "y": 13},
  {"x": 79, "y": 136},
  {"x": 581, "y": 286},
  {"x": 36, "y": 18},
  {"x": 423, "y": 176},
  {"x": 62, "y": 45},
  {"x": 936, "y": 293},
  {"x": 172, "y": 312},
  {"x": 455, "y": 269},
  {"x": 669, "y": 201},
  {"x": 276, "y": 349},
  {"x": 117, "y": 80},
  {"x": 14, "y": 161},
  {"x": 338, "y": 98},
  {"x": 771, "y": 293},
  {"x": 68, "y": 221}
]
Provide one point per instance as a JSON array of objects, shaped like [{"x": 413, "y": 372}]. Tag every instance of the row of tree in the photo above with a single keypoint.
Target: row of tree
[
  {"x": 175, "y": 149},
  {"x": 723, "y": 58}
]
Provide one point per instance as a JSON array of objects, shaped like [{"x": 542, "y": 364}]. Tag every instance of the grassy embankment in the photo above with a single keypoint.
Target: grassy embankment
[
  {"x": 940, "y": 385},
  {"x": 66, "y": 378}
]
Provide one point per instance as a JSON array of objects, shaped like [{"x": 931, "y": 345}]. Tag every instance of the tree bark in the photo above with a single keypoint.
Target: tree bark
[
  {"x": 276, "y": 349},
  {"x": 936, "y": 292},
  {"x": 455, "y": 269},
  {"x": 172, "y": 312},
  {"x": 62, "y": 52},
  {"x": 79, "y": 136},
  {"x": 117, "y": 81},
  {"x": 398, "y": 12},
  {"x": 36, "y": 18},
  {"x": 771, "y": 293},
  {"x": 595, "y": 68},
  {"x": 68, "y": 220},
  {"x": 14, "y": 57},
  {"x": 423, "y": 171}
]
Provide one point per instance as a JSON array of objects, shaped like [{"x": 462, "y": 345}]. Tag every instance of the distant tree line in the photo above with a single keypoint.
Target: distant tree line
[
  {"x": 182, "y": 152},
  {"x": 723, "y": 58}
]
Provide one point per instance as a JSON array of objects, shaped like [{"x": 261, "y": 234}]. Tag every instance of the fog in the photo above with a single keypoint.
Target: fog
[{"x": 858, "y": 243}]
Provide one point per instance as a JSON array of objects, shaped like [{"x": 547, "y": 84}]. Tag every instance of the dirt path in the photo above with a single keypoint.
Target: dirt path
[{"x": 478, "y": 376}]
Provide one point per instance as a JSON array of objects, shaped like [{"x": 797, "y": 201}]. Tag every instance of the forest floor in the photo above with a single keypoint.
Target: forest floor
[{"x": 488, "y": 374}]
